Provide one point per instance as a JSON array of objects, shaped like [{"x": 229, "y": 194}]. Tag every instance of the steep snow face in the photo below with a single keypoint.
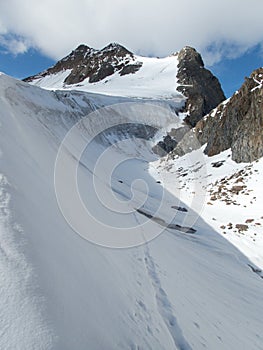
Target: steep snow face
[
  {"x": 155, "y": 79},
  {"x": 22, "y": 321},
  {"x": 179, "y": 291}
]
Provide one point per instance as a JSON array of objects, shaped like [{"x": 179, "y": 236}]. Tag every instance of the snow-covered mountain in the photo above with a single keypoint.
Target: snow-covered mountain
[
  {"x": 181, "y": 282},
  {"x": 114, "y": 70}
]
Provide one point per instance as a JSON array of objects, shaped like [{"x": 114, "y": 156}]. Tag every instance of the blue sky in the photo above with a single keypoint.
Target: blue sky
[
  {"x": 24, "y": 64},
  {"x": 230, "y": 72},
  {"x": 228, "y": 33}
]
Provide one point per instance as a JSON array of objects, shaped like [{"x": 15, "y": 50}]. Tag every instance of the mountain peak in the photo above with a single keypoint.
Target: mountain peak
[
  {"x": 82, "y": 48},
  {"x": 190, "y": 54},
  {"x": 85, "y": 62},
  {"x": 182, "y": 72},
  {"x": 198, "y": 84},
  {"x": 115, "y": 47}
]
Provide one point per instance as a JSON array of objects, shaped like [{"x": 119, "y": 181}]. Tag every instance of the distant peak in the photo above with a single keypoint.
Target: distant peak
[
  {"x": 95, "y": 65},
  {"x": 189, "y": 48},
  {"x": 113, "y": 46},
  {"x": 117, "y": 48},
  {"x": 83, "y": 47},
  {"x": 188, "y": 53}
]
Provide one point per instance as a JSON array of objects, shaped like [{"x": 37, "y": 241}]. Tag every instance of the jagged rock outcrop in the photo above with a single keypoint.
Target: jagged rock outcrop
[
  {"x": 165, "y": 146},
  {"x": 236, "y": 123},
  {"x": 85, "y": 62},
  {"x": 198, "y": 84},
  {"x": 203, "y": 92},
  {"x": 170, "y": 141}
]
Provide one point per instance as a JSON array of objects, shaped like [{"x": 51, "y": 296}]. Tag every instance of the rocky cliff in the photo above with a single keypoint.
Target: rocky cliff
[
  {"x": 236, "y": 123},
  {"x": 202, "y": 90},
  {"x": 198, "y": 84}
]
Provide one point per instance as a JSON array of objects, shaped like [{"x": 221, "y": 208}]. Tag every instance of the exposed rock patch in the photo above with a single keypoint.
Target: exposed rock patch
[
  {"x": 131, "y": 68},
  {"x": 165, "y": 146},
  {"x": 241, "y": 227},
  {"x": 161, "y": 222},
  {"x": 170, "y": 141}
]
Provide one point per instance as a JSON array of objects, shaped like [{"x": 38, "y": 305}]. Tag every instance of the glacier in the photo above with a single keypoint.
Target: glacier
[{"x": 171, "y": 290}]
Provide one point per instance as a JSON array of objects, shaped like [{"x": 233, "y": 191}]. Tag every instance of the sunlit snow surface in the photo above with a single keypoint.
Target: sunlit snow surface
[
  {"x": 179, "y": 291},
  {"x": 155, "y": 79},
  {"x": 231, "y": 195}
]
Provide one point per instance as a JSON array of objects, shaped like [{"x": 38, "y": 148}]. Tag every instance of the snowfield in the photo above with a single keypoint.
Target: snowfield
[
  {"x": 155, "y": 79},
  {"x": 231, "y": 195},
  {"x": 59, "y": 291}
]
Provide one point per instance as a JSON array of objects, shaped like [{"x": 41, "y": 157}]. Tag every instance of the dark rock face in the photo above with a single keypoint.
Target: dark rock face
[
  {"x": 236, "y": 124},
  {"x": 85, "y": 62},
  {"x": 240, "y": 125},
  {"x": 165, "y": 146},
  {"x": 199, "y": 85},
  {"x": 203, "y": 92},
  {"x": 170, "y": 141},
  {"x": 131, "y": 68},
  {"x": 104, "y": 71}
]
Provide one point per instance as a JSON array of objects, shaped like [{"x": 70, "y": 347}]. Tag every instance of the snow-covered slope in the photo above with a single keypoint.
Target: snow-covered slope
[
  {"x": 58, "y": 291},
  {"x": 155, "y": 79},
  {"x": 230, "y": 192}
]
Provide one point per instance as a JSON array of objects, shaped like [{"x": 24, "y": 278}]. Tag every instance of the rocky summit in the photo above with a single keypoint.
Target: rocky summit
[
  {"x": 202, "y": 90},
  {"x": 198, "y": 84},
  {"x": 85, "y": 62}
]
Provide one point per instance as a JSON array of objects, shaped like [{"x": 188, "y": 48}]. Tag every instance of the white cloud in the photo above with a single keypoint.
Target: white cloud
[
  {"x": 13, "y": 44},
  {"x": 224, "y": 28}
]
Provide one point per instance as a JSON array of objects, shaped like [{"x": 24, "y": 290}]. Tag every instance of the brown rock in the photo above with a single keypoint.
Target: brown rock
[
  {"x": 235, "y": 124},
  {"x": 237, "y": 189},
  {"x": 241, "y": 227},
  {"x": 248, "y": 221}
]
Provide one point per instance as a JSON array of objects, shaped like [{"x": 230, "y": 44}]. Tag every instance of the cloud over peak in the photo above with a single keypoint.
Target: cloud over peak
[{"x": 225, "y": 28}]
